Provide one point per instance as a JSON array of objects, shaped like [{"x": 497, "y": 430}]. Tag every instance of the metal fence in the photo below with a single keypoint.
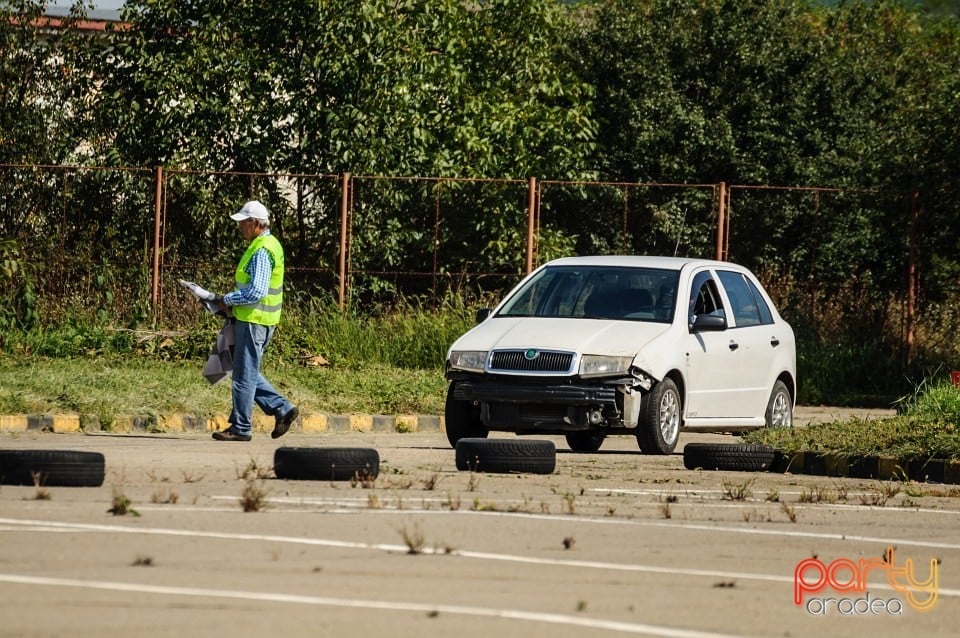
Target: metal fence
[{"x": 117, "y": 240}]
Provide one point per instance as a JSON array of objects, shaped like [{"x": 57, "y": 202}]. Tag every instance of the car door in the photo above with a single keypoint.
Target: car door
[
  {"x": 752, "y": 330},
  {"x": 712, "y": 361}
]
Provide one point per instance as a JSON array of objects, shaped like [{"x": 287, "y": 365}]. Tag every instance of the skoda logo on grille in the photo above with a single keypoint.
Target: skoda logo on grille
[{"x": 531, "y": 354}]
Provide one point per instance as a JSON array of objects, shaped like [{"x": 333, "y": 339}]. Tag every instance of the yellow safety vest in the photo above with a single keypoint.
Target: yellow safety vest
[{"x": 266, "y": 312}]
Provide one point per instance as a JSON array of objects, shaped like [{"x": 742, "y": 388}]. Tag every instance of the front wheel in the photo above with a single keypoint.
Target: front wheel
[
  {"x": 462, "y": 419},
  {"x": 585, "y": 441},
  {"x": 779, "y": 412},
  {"x": 660, "y": 415}
]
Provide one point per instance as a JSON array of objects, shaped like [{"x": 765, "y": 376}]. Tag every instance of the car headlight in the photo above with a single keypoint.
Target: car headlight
[
  {"x": 468, "y": 359},
  {"x": 594, "y": 365}
]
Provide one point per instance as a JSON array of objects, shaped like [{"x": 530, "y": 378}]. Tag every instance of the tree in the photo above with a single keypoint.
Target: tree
[
  {"x": 42, "y": 86},
  {"x": 393, "y": 88}
]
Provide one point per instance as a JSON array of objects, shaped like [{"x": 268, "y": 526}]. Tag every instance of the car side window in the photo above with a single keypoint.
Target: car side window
[
  {"x": 748, "y": 306},
  {"x": 704, "y": 297}
]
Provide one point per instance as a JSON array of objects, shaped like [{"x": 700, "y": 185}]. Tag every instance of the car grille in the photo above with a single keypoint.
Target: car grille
[{"x": 522, "y": 361}]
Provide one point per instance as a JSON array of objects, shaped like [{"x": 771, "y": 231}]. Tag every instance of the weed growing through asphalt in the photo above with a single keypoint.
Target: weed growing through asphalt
[
  {"x": 254, "y": 496},
  {"x": 570, "y": 501},
  {"x": 165, "y": 495},
  {"x": 737, "y": 492},
  {"x": 254, "y": 471},
  {"x": 817, "y": 494},
  {"x": 373, "y": 501},
  {"x": 914, "y": 491},
  {"x": 665, "y": 510},
  {"x": 842, "y": 490},
  {"x": 413, "y": 538},
  {"x": 190, "y": 477},
  {"x": 524, "y": 506},
  {"x": 121, "y": 505},
  {"x": 404, "y": 483},
  {"x": 364, "y": 479},
  {"x": 430, "y": 484},
  {"x": 473, "y": 483},
  {"x": 890, "y": 488},
  {"x": 452, "y": 503},
  {"x": 773, "y": 496},
  {"x": 42, "y": 494},
  {"x": 880, "y": 494},
  {"x": 142, "y": 561},
  {"x": 789, "y": 511},
  {"x": 665, "y": 504},
  {"x": 480, "y": 506}
]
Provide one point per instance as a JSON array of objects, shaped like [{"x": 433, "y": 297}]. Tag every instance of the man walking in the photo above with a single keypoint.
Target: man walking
[{"x": 256, "y": 304}]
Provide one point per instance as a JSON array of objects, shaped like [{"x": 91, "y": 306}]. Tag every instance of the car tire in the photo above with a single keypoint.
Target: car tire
[
  {"x": 588, "y": 441},
  {"x": 779, "y": 412},
  {"x": 462, "y": 419},
  {"x": 326, "y": 463},
  {"x": 728, "y": 456},
  {"x": 660, "y": 416},
  {"x": 505, "y": 456},
  {"x": 51, "y": 468}
]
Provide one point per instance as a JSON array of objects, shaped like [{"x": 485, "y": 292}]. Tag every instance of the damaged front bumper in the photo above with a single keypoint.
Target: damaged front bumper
[{"x": 525, "y": 405}]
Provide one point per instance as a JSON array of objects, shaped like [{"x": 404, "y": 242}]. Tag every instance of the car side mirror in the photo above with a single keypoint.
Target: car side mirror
[
  {"x": 708, "y": 323},
  {"x": 482, "y": 314}
]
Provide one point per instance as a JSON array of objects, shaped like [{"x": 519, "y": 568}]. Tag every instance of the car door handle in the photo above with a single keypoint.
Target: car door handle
[
  {"x": 734, "y": 345},
  {"x": 774, "y": 342}
]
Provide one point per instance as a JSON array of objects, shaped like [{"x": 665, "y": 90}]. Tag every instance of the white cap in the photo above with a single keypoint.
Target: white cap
[{"x": 251, "y": 210}]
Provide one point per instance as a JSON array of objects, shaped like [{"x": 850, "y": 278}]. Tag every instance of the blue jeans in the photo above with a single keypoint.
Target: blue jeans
[{"x": 249, "y": 385}]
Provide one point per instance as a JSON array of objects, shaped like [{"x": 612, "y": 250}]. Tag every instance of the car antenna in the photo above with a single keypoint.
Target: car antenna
[{"x": 683, "y": 223}]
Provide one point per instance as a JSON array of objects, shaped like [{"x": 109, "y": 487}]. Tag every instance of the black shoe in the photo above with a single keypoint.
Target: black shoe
[
  {"x": 230, "y": 435},
  {"x": 284, "y": 422}
]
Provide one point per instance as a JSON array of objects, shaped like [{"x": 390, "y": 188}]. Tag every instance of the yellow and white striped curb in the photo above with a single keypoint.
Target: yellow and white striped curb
[{"x": 312, "y": 423}]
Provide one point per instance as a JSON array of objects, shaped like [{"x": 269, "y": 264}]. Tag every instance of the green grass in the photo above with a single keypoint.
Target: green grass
[
  {"x": 105, "y": 387},
  {"x": 927, "y": 427}
]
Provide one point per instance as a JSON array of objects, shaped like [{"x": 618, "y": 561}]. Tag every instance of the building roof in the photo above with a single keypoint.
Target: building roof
[{"x": 101, "y": 10}]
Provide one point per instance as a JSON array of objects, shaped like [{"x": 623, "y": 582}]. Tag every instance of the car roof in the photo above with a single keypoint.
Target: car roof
[{"x": 637, "y": 261}]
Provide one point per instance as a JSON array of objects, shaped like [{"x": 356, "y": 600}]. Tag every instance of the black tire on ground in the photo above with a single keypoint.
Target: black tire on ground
[
  {"x": 661, "y": 414},
  {"x": 326, "y": 463},
  {"x": 504, "y": 456},
  {"x": 462, "y": 419},
  {"x": 736, "y": 457},
  {"x": 588, "y": 441},
  {"x": 51, "y": 468},
  {"x": 779, "y": 412}
]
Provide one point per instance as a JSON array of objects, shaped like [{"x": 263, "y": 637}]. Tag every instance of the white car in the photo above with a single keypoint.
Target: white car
[{"x": 649, "y": 346}]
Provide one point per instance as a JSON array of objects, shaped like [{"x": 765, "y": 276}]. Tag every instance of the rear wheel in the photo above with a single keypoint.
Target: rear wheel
[
  {"x": 588, "y": 441},
  {"x": 779, "y": 412},
  {"x": 660, "y": 413},
  {"x": 462, "y": 419}
]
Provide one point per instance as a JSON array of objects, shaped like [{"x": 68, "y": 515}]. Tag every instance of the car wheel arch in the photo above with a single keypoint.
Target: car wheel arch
[
  {"x": 791, "y": 384},
  {"x": 677, "y": 378}
]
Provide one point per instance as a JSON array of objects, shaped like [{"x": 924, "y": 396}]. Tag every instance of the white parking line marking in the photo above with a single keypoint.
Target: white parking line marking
[
  {"x": 650, "y": 569},
  {"x": 356, "y": 603},
  {"x": 702, "y": 493},
  {"x": 671, "y": 525}
]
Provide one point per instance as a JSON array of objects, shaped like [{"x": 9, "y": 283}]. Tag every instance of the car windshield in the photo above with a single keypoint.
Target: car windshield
[{"x": 597, "y": 292}]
